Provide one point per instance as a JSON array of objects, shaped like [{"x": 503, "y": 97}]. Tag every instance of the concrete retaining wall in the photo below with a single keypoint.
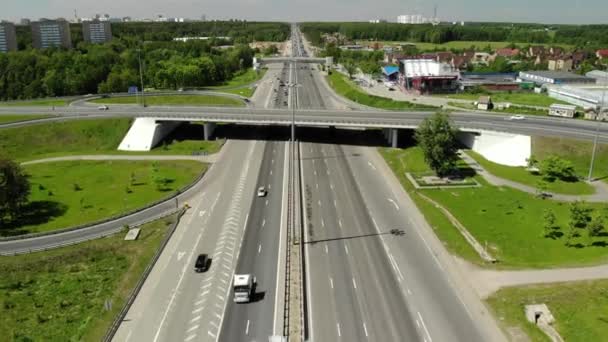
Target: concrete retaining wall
[
  {"x": 145, "y": 133},
  {"x": 501, "y": 148}
]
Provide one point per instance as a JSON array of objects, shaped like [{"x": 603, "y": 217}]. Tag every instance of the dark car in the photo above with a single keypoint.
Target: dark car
[{"x": 202, "y": 263}]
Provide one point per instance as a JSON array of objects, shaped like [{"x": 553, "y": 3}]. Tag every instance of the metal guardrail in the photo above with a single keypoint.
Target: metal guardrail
[{"x": 123, "y": 312}]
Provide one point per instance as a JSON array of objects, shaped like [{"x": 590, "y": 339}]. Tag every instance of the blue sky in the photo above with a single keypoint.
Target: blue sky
[{"x": 539, "y": 11}]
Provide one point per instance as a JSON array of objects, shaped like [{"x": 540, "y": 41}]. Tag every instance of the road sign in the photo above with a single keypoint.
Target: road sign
[{"x": 133, "y": 90}]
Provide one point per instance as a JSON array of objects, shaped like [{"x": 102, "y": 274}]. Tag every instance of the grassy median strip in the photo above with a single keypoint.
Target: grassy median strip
[
  {"x": 521, "y": 175},
  {"x": 169, "y": 100},
  {"x": 580, "y": 309},
  {"x": 66, "y": 194},
  {"x": 60, "y": 295},
  {"x": 351, "y": 91},
  {"x": 508, "y": 221},
  {"x": 74, "y": 137},
  {"x": 518, "y": 98},
  {"x": 20, "y": 117},
  {"x": 37, "y": 102}
]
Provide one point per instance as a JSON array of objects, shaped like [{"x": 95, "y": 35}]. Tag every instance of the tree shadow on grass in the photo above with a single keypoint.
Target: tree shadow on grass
[
  {"x": 33, "y": 213},
  {"x": 600, "y": 244}
]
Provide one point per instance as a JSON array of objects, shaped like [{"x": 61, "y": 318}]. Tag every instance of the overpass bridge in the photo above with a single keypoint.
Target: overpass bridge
[{"x": 328, "y": 61}]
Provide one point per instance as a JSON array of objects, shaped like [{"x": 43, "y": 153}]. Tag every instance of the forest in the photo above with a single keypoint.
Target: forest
[
  {"x": 114, "y": 66},
  {"x": 580, "y": 36}
]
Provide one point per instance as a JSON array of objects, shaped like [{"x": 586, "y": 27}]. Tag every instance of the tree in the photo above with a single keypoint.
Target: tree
[
  {"x": 596, "y": 226},
  {"x": 551, "y": 230},
  {"x": 554, "y": 167},
  {"x": 350, "y": 67},
  {"x": 14, "y": 188},
  {"x": 437, "y": 138},
  {"x": 580, "y": 215}
]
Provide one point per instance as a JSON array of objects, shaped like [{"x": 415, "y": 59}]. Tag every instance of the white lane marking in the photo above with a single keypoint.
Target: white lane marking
[
  {"x": 271, "y": 172},
  {"x": 424, "y": 327},
  {"x": 181, "y": 278},
  {"x": 335, "y": 204},
  {"x": 340, "y": 223},
  {"x": 331, "y": 185},
  {"x": 393, "y": 202},
  {"x": 195, "y": 319},
  {"x": 328, "y": 173},
  {"x": 315, "y": 172},
  {"x": 201, "y": 213},
  {"x": 189, "y": 338},
  {"x": 331, "y": 282},
  {"x": 210, "y": 334},
  {"x": 194, "y": 327},
  {"x": 326, "y": 250},
  {"x": 365, "y": 329},
  {"x": 354, "y": 284},
  {"x": 247, "y": 328},
  {"x": 259, "y": 248},
  {"x": 395, "y": 266},
  {"x": 180, "y": 255},
  {"x": 319, "y": 202},
  {"x": 199, "y": 302},
  {"x": 263, "y": 222},
  {"x": 322, "y": 223},
  {"x": 346, "y": 249},
  {"x": 277, "y": 312},
  {"x": 339, "y": 332},
  {"x": 272, "y": 161},
  {"x": 317, "y": 185},
  {"x": 375, "y": 224},
  {"x": 198, "y": 310},
  {"x": 408, "y": 291},
  {"x": 371, "y": 165},
  {"x": 269, "y": 186}
]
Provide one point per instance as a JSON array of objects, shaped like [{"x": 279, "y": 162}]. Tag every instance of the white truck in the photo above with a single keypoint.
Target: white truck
[{"x": 244, "y": 288}]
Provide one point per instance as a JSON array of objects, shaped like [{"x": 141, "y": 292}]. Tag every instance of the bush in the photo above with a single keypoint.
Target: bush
[{"x": 553, "y": 168}]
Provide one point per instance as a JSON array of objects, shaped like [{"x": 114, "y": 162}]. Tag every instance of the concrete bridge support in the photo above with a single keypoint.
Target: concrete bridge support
[
  {"x": 145, "y": 133},
  {"x": 499, "y": 147},
  {"x": 394, "y": 140},
  {"x": 209, "y": 129}
]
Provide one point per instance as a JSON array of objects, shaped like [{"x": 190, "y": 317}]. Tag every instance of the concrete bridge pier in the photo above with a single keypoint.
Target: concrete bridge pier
[
  {"x": 209, "y": 129},
  {"x": 394, "y": 138}
]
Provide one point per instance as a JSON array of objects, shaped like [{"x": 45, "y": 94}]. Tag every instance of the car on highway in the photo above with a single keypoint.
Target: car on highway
[
  {"x": 104, "y": 107},
  {"x": 262, "y": 192},
  {"x": 517, "y": 117},
  {"x": 202, "y": 263}
]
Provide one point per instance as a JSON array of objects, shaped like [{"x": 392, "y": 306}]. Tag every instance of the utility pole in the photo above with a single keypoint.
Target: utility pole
[
  {"x": 141, "y": 79},
  {"x": 597, "y": 133}
]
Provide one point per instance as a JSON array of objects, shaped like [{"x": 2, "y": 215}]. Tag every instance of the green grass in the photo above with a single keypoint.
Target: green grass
[
  {"x": 74, "y": 137},
  {"x": 243, "y": 79},
  {"x": 510, "y": 221},
  {"x": 580, "y": 309},
  {"x": 243, "y": 91},
  {"x": 521, "y": 175},
  {"x": 351, "y": 91},
  {"x": 66, "y": 194},
  {"x": 37, "y": 102},
  {"x": 519, "y": 98},
  {"x": 576, "y": 151},
  {"x": 167, "y": 100},
  {"x": 59, "y": 295},
  {"x": 506, "y": 111},
  {"x": 461, "y": 45},
  {"x": 19, "y": 117}
]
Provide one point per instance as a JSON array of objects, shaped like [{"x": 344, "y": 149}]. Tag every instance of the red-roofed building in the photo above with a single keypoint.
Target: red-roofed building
[
  {"x": 507, "y": 52},
  {"x": 601, "y": 54}
]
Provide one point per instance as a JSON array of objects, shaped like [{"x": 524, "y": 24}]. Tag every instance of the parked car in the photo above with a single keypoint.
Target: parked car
[
  {"x": 104, "y": 107},
  {"x": 262, "y": 191}
]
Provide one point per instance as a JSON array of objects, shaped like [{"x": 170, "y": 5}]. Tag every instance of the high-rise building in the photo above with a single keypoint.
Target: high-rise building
[
  {"x": 8, "y": 38},
  {"x": 97, "y": 31},
  {"x": 51, "y": 33}
]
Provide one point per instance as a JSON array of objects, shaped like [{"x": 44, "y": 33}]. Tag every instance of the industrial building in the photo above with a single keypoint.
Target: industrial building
[
  {"x": 489, "y": 81},
  {"x": 97, "y": 31},
  {"x": 8, "y": 38},
  {"x": 542, "y": 78},
  {"x": 424, "y": 76},
  {"x": 586, "y": 96},
  {"x": 600, "y": 77},
  {"x": 51, "y": 33}
]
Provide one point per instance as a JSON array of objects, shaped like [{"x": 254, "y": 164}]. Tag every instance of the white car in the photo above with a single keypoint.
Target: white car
[
  {"x": 262, "y": 192},
  {"x": 517, "y": 117},
  {"x": 104, "y": 107}
]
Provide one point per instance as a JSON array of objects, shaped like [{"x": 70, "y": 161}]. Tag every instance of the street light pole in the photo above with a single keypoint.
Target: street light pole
[
  {"x": 141, "y": 79},
  {"x": 597, "y": 133}
]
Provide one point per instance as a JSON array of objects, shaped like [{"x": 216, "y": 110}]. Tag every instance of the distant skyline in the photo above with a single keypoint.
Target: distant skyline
[{"x": 539, "y": 11}]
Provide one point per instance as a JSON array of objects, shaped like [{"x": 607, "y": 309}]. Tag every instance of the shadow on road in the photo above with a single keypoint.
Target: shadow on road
[
  {"x": 396, "y": 232},
  {"x": 33, "y": 213}
]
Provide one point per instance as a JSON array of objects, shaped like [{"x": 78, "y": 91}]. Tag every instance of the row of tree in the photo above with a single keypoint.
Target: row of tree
[
  {"x": 114, "y": 66},
  {"x": 583, "y": 219},
  {"x": 577, "y": 35}
]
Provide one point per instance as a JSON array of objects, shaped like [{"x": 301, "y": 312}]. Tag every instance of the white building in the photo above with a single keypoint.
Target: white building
[{"x": 412, "y": 19}]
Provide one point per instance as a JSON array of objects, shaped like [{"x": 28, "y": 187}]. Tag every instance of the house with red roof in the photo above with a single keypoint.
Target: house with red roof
[{"x": 602, "y": 53}]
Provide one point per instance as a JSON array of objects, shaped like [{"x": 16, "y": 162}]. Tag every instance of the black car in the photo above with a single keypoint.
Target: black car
[{"x": 202, "y": 263}]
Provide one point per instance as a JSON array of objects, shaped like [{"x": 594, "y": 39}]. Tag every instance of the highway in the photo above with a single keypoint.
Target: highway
[
  {"x": 468, "y": 121},
  {"x": 365, "y": 284}
]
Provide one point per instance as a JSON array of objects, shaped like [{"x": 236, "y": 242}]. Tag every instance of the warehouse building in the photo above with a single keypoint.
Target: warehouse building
[
  {"x": 542, "y": 78},
  {"x": 425, "y": 76},
  {"x": 600, "y": 77},
  {"x": 8, "y": 38},
  {"x": 51, "y": 33},
  {"x": 489, "y": 81}
]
